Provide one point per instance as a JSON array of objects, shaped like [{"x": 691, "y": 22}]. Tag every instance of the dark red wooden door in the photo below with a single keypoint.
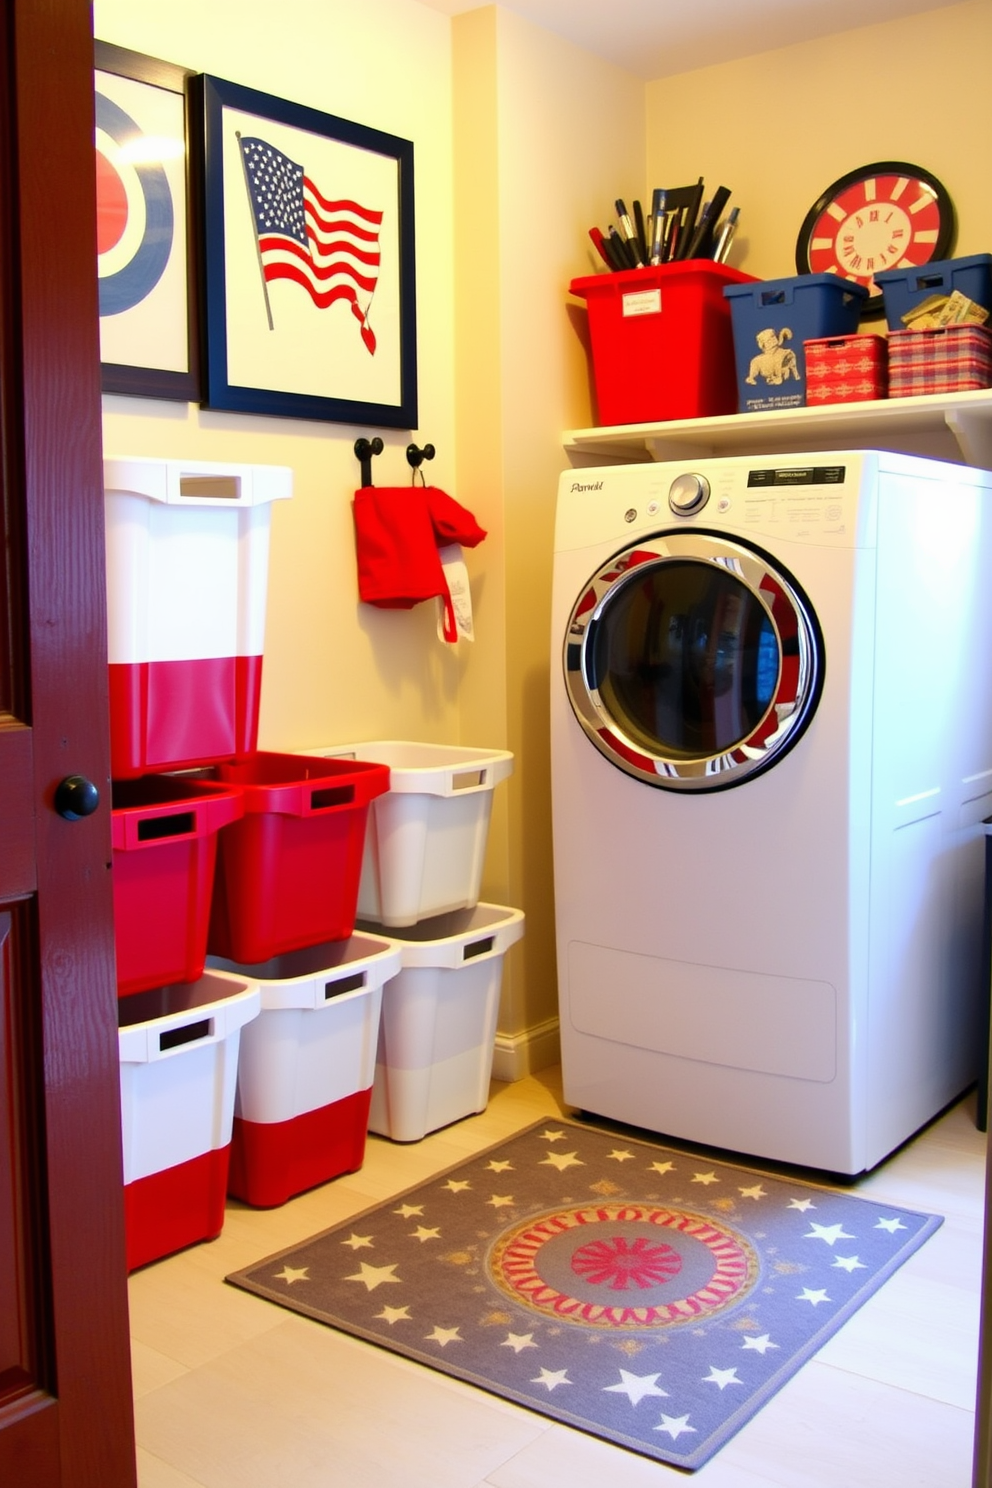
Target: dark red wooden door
[{"x": 65, "y": 1400}]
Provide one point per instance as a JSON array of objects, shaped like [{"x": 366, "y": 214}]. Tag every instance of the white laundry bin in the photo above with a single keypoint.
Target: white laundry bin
[
  {"x": 187, "y": 581},
  {"x": 426, "y": 837},
  {"x": 178, "y": 1050},
  {"x": 438, "y": 1028},
  {"x": 306, "y": 1066}
]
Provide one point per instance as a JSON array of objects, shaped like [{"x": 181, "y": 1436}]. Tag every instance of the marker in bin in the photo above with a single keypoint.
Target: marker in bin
[{"x": 680, "y": 225}]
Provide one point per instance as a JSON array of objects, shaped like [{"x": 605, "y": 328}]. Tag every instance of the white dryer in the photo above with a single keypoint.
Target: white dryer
[{"x": 771, "y": 758}]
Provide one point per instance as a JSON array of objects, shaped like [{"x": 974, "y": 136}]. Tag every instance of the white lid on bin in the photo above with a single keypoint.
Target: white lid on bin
[
  {"x": 458, "y": 937},
  {"x": 319, "y": 976},
  {"x": 429, "y": 769},
  {"x": 167, "y": 1021},
  {"x": 197, "y": 482}
]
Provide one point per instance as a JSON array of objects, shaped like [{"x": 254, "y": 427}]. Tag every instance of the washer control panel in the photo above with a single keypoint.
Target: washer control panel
[{"x": 688, "y": 493}]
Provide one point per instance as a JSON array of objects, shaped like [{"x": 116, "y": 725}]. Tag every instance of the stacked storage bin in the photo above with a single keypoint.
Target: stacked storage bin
[
  {"x": 420, "y": 884},
  {"x": 216, "y": 845}
]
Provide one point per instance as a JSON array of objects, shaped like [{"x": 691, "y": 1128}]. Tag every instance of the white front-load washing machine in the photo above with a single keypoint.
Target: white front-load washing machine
[{"x": 771, "y": 758}]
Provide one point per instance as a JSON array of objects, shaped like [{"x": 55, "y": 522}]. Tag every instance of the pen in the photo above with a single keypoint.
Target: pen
[
  {"x": 624, "y": 252},
  {"x": 627, "y": 234},
  {"x": 639, "y": 233},
  {"x": 725, "y": 236},
  {"x": 657, "y": 226},
  {"x": 601, "y": 248},
  {"x": 689, "y": 221},
  {"x": 702, "y": 239}
]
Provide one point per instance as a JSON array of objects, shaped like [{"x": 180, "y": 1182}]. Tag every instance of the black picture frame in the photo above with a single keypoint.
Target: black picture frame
[
  {"x": 141, "y": 374},
  {"x": 933, "y": 243},
  {"x": 309, "y": 268}
]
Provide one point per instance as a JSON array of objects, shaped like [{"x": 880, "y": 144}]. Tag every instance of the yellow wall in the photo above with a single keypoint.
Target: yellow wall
[
  {"x": 535, "y": 166},
  {"x": 778, "y": 128}
]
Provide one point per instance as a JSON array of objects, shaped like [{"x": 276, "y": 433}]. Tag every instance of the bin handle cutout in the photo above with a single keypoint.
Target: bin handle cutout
[
  {"x": 198, "y": 487},
  {"x": 174, "y": 1038},
  {"x": 468, "y": 780},
  {"x": 773, "y": 297},
  {"x": 156, "y": 827},
  {"x": 346, "y": 984},
  {"x": 478, "y": 947},
  {"x": 333, "y": 795},
  {"x": 929, "y": 281}
]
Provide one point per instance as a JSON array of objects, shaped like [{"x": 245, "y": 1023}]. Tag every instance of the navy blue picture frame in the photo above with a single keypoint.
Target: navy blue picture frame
[
  {"x": 331, "y": 404},
  {"x": 144, "y": 379}
]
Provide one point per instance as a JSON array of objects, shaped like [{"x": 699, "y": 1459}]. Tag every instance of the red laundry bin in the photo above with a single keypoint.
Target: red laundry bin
[
  {"x": 288, "y": 870},
  {"x": 164, "y": 836}
]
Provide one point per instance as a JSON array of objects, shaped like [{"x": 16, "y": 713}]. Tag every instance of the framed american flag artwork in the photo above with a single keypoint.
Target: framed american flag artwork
[
  {"x": 146, "y": 263},
  {"x": 309, "y": 271}
]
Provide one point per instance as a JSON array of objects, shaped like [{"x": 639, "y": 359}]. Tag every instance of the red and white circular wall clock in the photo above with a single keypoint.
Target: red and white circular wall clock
[{"x": 884, "y": 216}]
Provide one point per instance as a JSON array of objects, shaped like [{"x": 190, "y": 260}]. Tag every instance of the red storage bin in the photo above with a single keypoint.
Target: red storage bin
[
  {"x": 288, "y": 871},
  {"x": 846, "y": 369},
  {"x": 164, "y": 835},
  {"x": 662, "y": 341}
]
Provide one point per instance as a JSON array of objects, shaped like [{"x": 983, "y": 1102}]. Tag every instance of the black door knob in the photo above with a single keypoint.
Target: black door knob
[{"x": 75, "y": 796}]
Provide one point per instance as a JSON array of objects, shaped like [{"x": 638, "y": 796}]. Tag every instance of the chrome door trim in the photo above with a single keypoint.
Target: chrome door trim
[{"x": 797, "y": 688}]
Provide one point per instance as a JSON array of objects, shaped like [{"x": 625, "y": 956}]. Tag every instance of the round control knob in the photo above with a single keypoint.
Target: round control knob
[
  {"x": 688, "y": 493},
  {"x": 75, "y": 796}
]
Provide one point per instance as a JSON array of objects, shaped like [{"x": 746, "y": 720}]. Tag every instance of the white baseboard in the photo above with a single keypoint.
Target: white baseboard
[{"x": 520, "y": 1054}]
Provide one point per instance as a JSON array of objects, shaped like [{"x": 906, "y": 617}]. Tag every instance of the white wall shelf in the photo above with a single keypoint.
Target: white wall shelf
[{"x": 955, "y": 426}]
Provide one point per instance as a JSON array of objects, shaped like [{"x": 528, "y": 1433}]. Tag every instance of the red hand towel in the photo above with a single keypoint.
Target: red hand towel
[{"x": 398, "y": 530}]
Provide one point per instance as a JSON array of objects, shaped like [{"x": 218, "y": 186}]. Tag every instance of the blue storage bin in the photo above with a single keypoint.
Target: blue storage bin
[
  {"x": 904, "y": 288},
  {"x": 771, "y": 320}
]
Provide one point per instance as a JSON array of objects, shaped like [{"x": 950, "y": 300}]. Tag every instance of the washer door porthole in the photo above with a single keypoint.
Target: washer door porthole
[{"x": 692, "y": 662}]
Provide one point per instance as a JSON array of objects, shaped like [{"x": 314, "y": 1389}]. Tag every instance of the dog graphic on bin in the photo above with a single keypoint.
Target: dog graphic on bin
[{"x": 774, "y": 362}]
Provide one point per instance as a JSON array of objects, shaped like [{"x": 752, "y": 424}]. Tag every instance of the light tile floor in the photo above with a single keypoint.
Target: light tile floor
[{"x": 233, "y": 1392}]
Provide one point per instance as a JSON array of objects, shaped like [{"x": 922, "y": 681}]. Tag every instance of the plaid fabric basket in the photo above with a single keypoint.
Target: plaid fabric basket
[
  {"x": 950, "y": 360},
  {"x": 846, "y": 369}
]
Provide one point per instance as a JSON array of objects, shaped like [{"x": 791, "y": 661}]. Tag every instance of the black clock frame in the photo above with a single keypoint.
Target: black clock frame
[{"x": 945, "y": 211}]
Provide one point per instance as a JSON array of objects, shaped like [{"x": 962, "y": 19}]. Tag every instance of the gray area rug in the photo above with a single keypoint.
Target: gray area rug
[{"x": 652, "y": 1297}]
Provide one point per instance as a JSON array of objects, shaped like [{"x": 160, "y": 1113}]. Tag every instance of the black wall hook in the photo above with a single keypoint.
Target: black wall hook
[
  {"x": 364, "y": 450},
  {"x": 415, "y": 456}
]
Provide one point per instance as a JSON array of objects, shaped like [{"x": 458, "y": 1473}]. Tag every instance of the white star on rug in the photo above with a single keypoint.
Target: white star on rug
[
  {"x": 553, "y": 1136},
  {"x": 757, "y": 1192},
  {"x": 802, "y": 1204},
  {"x": 374, "y": 1276},
  {"x": 457, "y": 1185},
  {"x": 393, "y": 1315},
  {"x": 661, "y": 1167},
  {"x": 407, "y": 1211},
  {"x": 849, "y": 1263},
  {"x": 444, "y": 1336},
  {"x": 421, "y": 1233},
  {"x": 358, "y": 1242},
  {"x": 814, "y": 1297},
  {"x": 288, "y": 1275},
  {"x": 827, "y": 1233},
  {"x": 620, "y": 1155},
  {"x": 891, "y": 1225},
  {"x": 552, "y": 1378},
  {"x": 760, "y": 1345},
  {"x": 498, "y": 1167},
  {"x": 562, "y": 1160},
  {"x": 705, "y": 1178},
  {"x": 636, "y": 1386},
  {"x": 675, "y": 1425},
  {"x": 518, "y": 1341},
  {"x": 500, "y": 1201},
  {"x": 721, "y": 1377}
]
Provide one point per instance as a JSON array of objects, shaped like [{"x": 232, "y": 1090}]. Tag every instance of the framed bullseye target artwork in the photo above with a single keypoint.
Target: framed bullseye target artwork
[{"x": 146, "y": 263}]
